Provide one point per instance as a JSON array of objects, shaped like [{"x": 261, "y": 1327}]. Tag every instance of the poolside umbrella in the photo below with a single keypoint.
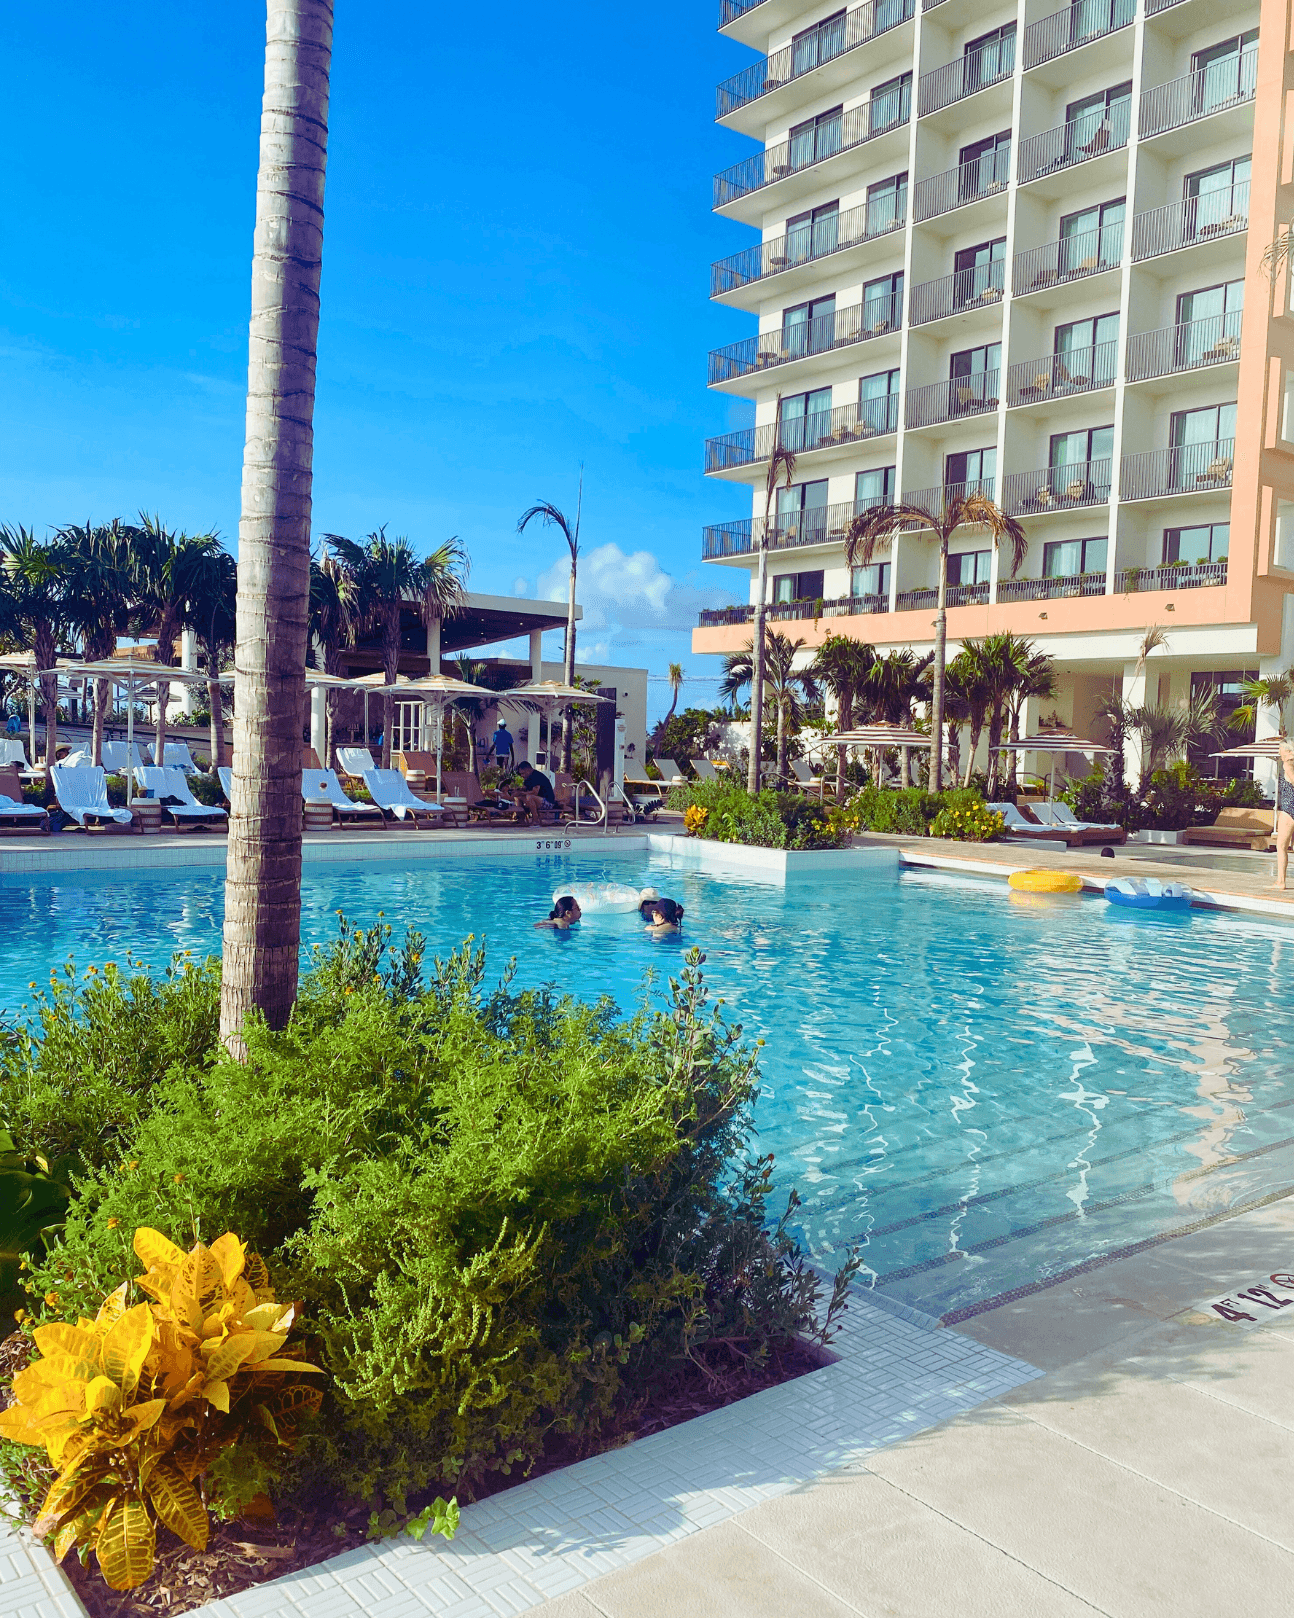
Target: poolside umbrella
[
  {"x": 880, "y": 735},
  {"x": 24, "y": 663},
  {"x": 545, "y": 697},
  {"x": 437, "y": 690},
  {"x": 1268, "y": 747},
  {"x": 1052, "y": 742}
]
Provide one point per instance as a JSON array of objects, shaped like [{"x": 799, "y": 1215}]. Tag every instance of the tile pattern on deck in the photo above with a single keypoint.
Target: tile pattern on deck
[{"x": 894, "y": 1377}]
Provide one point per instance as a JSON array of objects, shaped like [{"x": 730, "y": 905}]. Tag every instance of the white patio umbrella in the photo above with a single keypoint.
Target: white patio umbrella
[
  {"x": 545, "y": 697},
  {"x": 437, "y": 691},
  {"x": 1268, "y": 747},
  {"x": 24, "y": 663},
  {"x": 880, "y": 735},
  {"x": 1052, "y": 742}
]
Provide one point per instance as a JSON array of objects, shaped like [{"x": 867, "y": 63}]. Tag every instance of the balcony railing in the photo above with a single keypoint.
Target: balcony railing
[
  {"x": 819, "y": 525},
  {"x": 730, "y": 10},
  {"x": 1066, "y": 30},
  {"x": 804, "y": 246},
  {"x": 1181, "y": 469},
  {"x": 949, "y": 401},
  {"x": 856, "y": 323},
  {"x": 1154, "y": 7},
  {"x": 825, "y": 43},
  {"x": 1177, "y": 576},
  {"x": 1194, "y": 219},
  {"x": 1078, "y": 141},
  {"x": 1057, "y": 488},
  {"x": 1214, "y": 88},
  {"x": 940, "y": 193},
  {"x": 1076, "y": 584},
  {"x": 954, "y": 81},
  {"x": 953, "y": 294},
  {"x": 1058, "y": 375},
  {"x": 780, "y": 611},
  {"x": 855, "y": 128},
  {"x": 1189, "y": 347},
  {"x": 936, "y": 500},
  {"x": 824, "y": 429},
  {"x": 1070, "y": 259}
]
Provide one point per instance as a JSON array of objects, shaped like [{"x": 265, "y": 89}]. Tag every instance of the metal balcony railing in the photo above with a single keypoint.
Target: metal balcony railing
[
  {"x": 940, "y": 193},
  {"x": 976, "y": 70},
  {"x": 854, "y": 128},
  {"x": 1194, "y": 219},
  {"x": 1057, "y": 488},
  {"x": 831, "y": 39},
  {"x": 824, "y": 429},
  {"x": 855, "y": 323},
  {"x": 803, "y": 246},
  {"x": 780, "y": 611},
  {"x": 1154, "y": 7},
  {"x": 1076, "y": 584},
  {"x": 949, "y": 401},
  {"x": 730, "y": 10},
  {"x": 1214, "y": 88},
  {"x": 1078, "y": 141},
  {"x": 1180, "y": 469},
  {"x": 1066, "y": 30},
  {"x": 1197, "y": 343},
  {"x": 819, "y": 525},
  {"x": 1070, "y": 259},
  {"x": 1056, "y": 376},
  {"x": 935, "y": 500},
  {"x": 952, "y": 294},
  {"x": 1177, "y": 576}
]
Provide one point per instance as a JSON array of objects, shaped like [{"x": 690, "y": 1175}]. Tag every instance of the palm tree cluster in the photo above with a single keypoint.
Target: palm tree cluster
[
  {"x": 987, "y": 686},
  {"x": 90, "y": 585}
]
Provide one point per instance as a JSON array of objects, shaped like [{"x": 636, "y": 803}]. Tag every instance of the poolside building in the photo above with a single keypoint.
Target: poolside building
[{"x": 1017, "y": 249}]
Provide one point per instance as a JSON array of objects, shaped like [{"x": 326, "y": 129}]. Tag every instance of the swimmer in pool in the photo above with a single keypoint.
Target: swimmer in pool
[
  {"x": 662, "y": 916},
  {"x": 563, "y": 916}
]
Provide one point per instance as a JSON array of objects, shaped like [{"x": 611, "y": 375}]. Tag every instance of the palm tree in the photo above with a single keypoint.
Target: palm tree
[
  {"x": 551, "y": 516},
  {"x": 882, "y": 524},
  {"x": 103, "y": 587},
  {"x": 841, "y": 664},
  {"x": 386, "y": 576},
  {"x": 784, "y": 684},
  {"x": 39, "y": 574},
  {"x": 210, "y": 611},
  {"x": 1002, "y": 658},
  {"x": 1272, "y": 691},
  {"x": 781, "y": 463},
  {"x": 332, "y": 627},
  {"x": 889, "y": 689},
  {"x": 968, "y": 676},
  {"x": 1035, "y": 676},
  {"x": 1169, "y": 733},
  {"x": 262, "y": 934},
  {"x": 167, "y": 566},
  {"x": 675, "y": 685}
]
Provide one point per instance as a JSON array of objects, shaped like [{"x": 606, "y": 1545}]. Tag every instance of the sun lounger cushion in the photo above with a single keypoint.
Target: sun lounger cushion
[
  {"x": 83, "y": 794},
  {"x": 322, "y": 786},
  {"x": 355, "y": 760},
  {"x": 391, "y": 791},
  {"x": 114, "y": 757},
  {"x": 170, "y": 783},
  {"x": 12, "y": 809},
  {"x": 178, "y": 757}
]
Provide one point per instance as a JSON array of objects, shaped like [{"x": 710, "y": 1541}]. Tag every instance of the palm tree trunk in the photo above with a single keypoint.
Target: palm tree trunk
[
  {"x": 781, "y": 739},
  {"x": 757, "y": 666},
  {"x": 568, "y": 724},
  {"x": 941, "y": 657},
  {"x": 46, "y": 656},
  {"x": 845, "y": 718},
  {"x": 216, "y": 706},
  {"x": 262, "y": 935},
  {"x": 1013, "y": 762},
  {"x": 390, "y": 668},
  {"x": 102, "y": 695},
  {"x": 975, "y": 733}
]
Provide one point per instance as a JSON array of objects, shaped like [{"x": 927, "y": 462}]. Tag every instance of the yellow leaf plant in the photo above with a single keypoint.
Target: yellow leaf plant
[{"x": 135, "y": 1405}]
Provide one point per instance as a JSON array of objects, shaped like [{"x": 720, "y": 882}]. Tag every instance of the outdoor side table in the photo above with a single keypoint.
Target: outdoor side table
[
  {"x": 147, "y": 813},
  {"x": 318, "y": 816}
]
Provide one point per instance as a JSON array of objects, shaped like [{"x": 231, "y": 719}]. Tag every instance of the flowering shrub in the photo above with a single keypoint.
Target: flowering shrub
[
  {"x": 968, "y": 823},
  {"x": 726, "y": 812},
  {"x": 694, "y": 819}
]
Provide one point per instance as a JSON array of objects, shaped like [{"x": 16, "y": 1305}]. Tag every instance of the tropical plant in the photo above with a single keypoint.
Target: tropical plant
[
  {"x": 968, "y": 823},
  {"x": 1271, "y": 691},
  {"x": 881, "y": 524},
  {"x": 841, "y": 664},
  {"x": 551, "y": 516},
  {"x": 103, "y": 590},
  {"x": 1035, "y": 676},
  {"x": 781, "y": 464},
  {"x": 262, "y": 929},
  {"x": 32, "y": 1204},
  {"x": 210, "y": 612},
  {"x": 41, "y": 604},
  {"x": 725, "y": 812},
  {"x": 787, "y": 685},
  {"x": 968, "y": 690},
  {"x": 168, "y": 567},
  {"x": 332, "y": 627},
  {"x": 888, "y": 690},
  {"x": 136, "y": 1404}
]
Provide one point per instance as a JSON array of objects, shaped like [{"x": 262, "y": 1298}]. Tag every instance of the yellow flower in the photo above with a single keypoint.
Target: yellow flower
[
  {"x": 113, "y": 1223},
  {"x": 51, "y": 1298},
  {"x": 20, "y": 1315},
  {"x": 176, "y": 1178}
]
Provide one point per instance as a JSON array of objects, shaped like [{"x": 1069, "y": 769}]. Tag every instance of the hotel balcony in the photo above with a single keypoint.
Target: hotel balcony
[
  {"x": 1211, "y": 217},
  {"x": 954, "y": 81},
  {"x": 1078, "y": 141},
  {"x": 819, "y": 525},
  {"x": 941, "y": 193},
  {"x": 782, "y": 611},
  {"x": 1057, "y": 488},
  {"x": 815, "y": 51},
  {"x": 927, "y": 598},
  {"x": 1181, "y": 469},
  {"x": 1177, "y": 576},
  {"x": 802, "y": 435},
  {"x": 1189, "y": 347},
  {"x": 1058, "y": 376},
  {"x": 805, "y": 155},
  {"x": 935, "y": 499},
  {"x": 802, "y": 249},
  {"x": 1213, "y": 89},
  {"x": 1072, "y": 258},
  {"x": 954, "y": 294},
  {"x": 1075, "y": 26},
  {"x": 952, "y": 400},
  {"x": 856, "y": 323},
  {"x": 1077, "y": 584}
]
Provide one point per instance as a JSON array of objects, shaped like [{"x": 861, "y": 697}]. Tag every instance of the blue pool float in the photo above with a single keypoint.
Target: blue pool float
[{"x": 1148, "y": 893}]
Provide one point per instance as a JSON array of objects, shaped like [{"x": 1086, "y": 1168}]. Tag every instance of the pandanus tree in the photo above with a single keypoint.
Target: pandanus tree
[
  {"x": 387, "y": 577},
  {"x": 211, "y": 613},
  {"x": 41, "y": 605},
  {"x": 781, "y": 466},
  {"x": 841, "y": 665},
  {"x": 332, "y": 628},
  {"x": 968, "y": 677},
  {"x": 262, "y": 934},
  {"x": 880, "y": 526},
  {"x": 785, "y": 686},
  {"x": 551, "y": 516},
  {"x": 103, "y": 587}
]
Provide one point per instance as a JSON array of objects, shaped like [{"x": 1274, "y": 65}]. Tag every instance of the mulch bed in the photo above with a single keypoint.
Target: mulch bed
[{"x": 242, "y": 1554}]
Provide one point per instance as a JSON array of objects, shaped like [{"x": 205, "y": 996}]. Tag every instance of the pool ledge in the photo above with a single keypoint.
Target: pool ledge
[{"x": 776, "y": 865}]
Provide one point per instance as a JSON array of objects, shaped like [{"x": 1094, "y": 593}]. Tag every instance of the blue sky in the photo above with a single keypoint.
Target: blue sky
[{"x": 515, "y": 274}]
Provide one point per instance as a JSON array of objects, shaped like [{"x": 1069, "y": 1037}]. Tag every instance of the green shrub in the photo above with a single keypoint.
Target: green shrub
[
  {"x": 505, "y": 1212},
  {"x": 914, "y": 812},
  {"x": 207, "y": 789},
  {"x": 968, "y": 823},
  {"x": 770, "y": 819}
]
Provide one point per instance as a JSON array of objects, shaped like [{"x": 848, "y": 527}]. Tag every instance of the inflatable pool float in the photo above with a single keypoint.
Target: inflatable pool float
[
  {"x": 605, "y": 898},
  {"x": 1148, "y": 893},
  {"x": 1045, "y": 882}
]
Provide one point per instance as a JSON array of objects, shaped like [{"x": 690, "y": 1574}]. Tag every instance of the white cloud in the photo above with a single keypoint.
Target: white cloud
[{"x": 621, "y": 590}]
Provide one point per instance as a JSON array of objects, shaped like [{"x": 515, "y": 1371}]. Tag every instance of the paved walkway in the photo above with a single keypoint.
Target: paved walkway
[{"x": 1149, "y": 1473}]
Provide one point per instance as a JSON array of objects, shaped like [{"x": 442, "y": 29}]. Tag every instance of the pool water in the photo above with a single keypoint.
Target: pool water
[{"x": 979, "y": 1090}]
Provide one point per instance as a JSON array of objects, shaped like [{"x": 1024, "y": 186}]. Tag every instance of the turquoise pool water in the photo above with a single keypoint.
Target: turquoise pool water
[{"x": 981, "y": 1091}]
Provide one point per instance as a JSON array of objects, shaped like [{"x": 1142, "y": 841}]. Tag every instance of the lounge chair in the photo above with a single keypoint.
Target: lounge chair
[
  {"x": 322, "y": 786},
  {"x": 82, "y": 795},
  {"x": 807, "y": 781},
  {"x": 1015, "y": 825},
  {"x": 171, "y": 783},
  {"x": 705, "y": 771},
  {"x": 643, "y": 796},
  {"x": 670, "y": 774},
  {"x": 1062, "y": 816},
  {"x": 1235, "y": 828},
  {"x": 178, "y": 757},
  {"x": 15, "y": 815},
  {"x": 355, "y": 761},
  {"x": 13, "y": 752},
  {"x": 392, "y": 796},
  {"x": 114, "y": 757},
  {"x": 225, "y": 775}
]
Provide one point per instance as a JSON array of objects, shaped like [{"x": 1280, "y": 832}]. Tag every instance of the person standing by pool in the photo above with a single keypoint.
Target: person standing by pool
[
  {"x": 502, "y": 744},
  {"x": 1284, "y": 809}
]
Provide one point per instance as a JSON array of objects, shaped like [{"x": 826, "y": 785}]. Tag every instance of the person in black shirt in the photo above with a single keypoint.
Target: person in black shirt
[{"x": 535, "y": 791}]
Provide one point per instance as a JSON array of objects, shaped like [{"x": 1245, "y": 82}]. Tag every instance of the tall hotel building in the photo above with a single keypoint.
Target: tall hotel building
[{"x": 1021, "y": 250}]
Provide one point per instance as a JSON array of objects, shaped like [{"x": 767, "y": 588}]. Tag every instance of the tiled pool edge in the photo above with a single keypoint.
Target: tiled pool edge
[{"x": 893, "y": 1378}]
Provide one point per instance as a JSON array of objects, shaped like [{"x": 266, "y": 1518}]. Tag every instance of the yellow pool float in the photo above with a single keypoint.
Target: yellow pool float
[{"x": 1045, "y": 882}]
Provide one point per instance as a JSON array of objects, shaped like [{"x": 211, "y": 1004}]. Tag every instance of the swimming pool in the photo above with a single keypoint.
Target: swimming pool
[{"x": 981, "y": 1091}]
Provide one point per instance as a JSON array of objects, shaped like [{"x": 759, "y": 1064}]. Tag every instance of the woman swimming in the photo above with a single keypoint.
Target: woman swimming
[
  {"x": 1284, "y": 810},
  {"x": 662, "y": 915},
  {"x": 563, "y": 916}
]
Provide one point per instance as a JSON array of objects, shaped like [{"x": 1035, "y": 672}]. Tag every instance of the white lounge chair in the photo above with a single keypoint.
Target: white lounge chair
[
  {"x": 356, "y": 761},
  {"x": 1015, "y": 825},
  {"x": 78, "y": 760},
  {"x": 392, "y": 795},
  {"x": 804, "y": 776},
  {"x": 1061, "y": 815},
  {"x": 670, "y": 774},
  {"x": 225, "y": 775},
  {"x": 705, "y": 771},
  {"x": 178, "y": 757},
  {"x": 19, "y": 816},
  {"x": 322, "y": 786},
  {"x": 82, "y": 794},
  {"x": 12, "y": 751},
  {"x": 171, "y": 783},
  {"x": 114, "y": 757}
]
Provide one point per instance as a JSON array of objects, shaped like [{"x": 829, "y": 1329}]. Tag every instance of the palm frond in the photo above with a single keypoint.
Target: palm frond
[
  {"x": 1152, "y": 640},
  {"x": 551, "y": 516},
  {"x": 877, "y": 526}
]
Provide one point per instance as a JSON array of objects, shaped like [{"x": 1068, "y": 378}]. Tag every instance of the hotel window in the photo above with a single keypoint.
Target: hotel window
[
  {"x": 874, "y": 488},
  {"x": 1205, "y": 542},
  {"x": 969, "y": 567},
  {"x": 816, "y": 138},
  {"x": 890, "y": 104},
  {"x": 1068, "y": 558},
  {"x": 887, "y": 204},
  {"x": 878, "y": 402},
  {"x": 1098, "y": 123},
  {"x": 806, "y": 419},
  {"x": 883, "y": 303},
  {"x": 973, "y": 469},
  {"x": 979, "y": 272},
  {"x": 989, "y": 58},
  {"x": 1227, "y": 72},
  {"x": 802, "y": 508},
  {"x": 809, "y": 328},
  {"x": 810, "y": 235},
  {"x": 1229, "y": 687},
  {"x": 1217, "y": 198},
  {"x": 818, "y": 44},
  {"x": 1087, "y": 351},
  {"x": 984, "y": 165},
  {"x": 1083, "y": 448},
  {"x": 872, "y": 580},
  {"x": 973, "y": 377},
  {"x": 1208, "y": 324},
  {"x": 1092, "y": 238},
  {"x": 798, "y": 586}
]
